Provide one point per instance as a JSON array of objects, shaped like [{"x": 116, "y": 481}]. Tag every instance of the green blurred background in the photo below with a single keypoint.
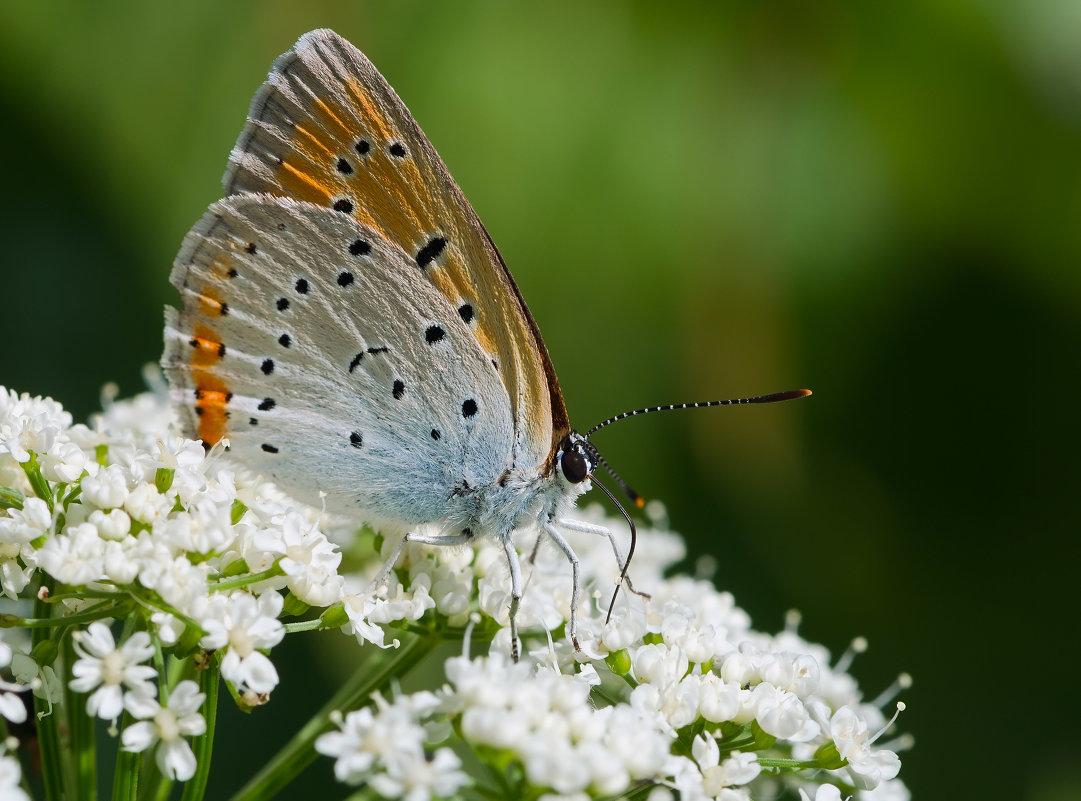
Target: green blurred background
[{"x": 878, "y": 201}]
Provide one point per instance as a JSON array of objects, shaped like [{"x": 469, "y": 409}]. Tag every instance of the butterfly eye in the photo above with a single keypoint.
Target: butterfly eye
[{"x": 574, "y": 465}]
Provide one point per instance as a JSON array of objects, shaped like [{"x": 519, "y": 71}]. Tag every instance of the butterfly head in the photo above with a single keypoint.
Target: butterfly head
[{"x": 576, "y": 459}]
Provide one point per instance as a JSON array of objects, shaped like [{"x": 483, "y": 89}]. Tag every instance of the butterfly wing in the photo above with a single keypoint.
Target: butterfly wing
[
  {"x": 320, "y": 349},
  {"x": 327, "y": 128}
]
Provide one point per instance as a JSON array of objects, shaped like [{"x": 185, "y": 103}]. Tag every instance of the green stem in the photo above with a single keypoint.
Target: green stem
[
  {"x": 41, "y": 620},
  {"x": 128, "y": 764},
  {"x": 788, "y": 764},
  {"x": 242, "y": 581},
  {"x": 82, "y": 594},
  {"x": 82, "y": 747},
  {"x": 299, "y": 752},
  {"x": 52, "y": 755},
  {"x": 203, "y": 745},
  {"x": 37, "y": 481},
  {"x": 303, "y": 625}
]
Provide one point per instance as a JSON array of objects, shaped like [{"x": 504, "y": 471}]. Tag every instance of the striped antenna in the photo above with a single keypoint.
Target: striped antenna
[
  {"x": 776, "y": 397},
  {"x": 636, "y": 499}
]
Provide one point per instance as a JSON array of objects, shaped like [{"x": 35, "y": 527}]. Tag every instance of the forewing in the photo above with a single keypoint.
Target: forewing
[
  {"x": 327, "y": 128},
  {"x": 329, "y": 361}
]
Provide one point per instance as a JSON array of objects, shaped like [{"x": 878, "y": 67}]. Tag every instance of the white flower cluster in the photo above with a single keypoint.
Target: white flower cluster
[
  {"x": 692, "y": 697},
  {"x": 133, "y": 522},
  {"x": 123, "y": 520},
  {"x": 130, "y": 507},
  {"x": 384, "y": 747}
]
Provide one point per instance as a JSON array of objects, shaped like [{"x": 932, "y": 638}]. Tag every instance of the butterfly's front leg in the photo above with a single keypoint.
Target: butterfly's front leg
[
  {"x": 589, "y": 528},
  {"x": 572, "y": 557}
]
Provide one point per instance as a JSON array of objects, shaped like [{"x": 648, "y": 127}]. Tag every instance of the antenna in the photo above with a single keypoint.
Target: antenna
[
  {"x": 637, "y": 499},
  {"x": 776, "y": 397}
]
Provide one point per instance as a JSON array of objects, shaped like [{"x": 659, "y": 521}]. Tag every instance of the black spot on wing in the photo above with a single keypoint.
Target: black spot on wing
[
  {"x": 469, "y": 408},
  {"x": 355, "y": 439},
  {"x": 427, "y": 254},
  {"x": 433, "y": 334},
  {"x": 399, "y": 389}
]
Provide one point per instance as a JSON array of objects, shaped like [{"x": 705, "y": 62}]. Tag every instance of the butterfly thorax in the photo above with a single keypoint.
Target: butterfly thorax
[{"x": 519, "y": 499}]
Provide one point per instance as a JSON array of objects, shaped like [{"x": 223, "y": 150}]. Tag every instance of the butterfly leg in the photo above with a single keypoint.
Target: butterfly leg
[
  {"x": 589, "y": 528},
  {"x": 424, "y": 539},
  {"x": 515, "y": 593},
  {"x": 572, "y": 557}
]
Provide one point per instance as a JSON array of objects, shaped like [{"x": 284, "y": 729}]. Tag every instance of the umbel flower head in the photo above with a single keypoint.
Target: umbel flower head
[{"x": 155, "y": 568}]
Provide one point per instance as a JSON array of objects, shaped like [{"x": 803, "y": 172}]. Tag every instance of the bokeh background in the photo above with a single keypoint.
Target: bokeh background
[{"x": 878, "y": 201}]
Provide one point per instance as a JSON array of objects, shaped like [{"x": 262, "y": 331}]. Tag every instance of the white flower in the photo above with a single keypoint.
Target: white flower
[
  {"x": 546, "y": 719},
  {"x": 660, "y": 664},
  {"x": 184, "y": 457},
  {"x": 10, "y": 778},
  {"x": 891, "y": 790},
  {"x": 112, "y": 525},
  {"x": 367, "y": 612},
  {"x": 782, "y": 714},
  {"x": 176, "y": 580},
  {"x": 14, "y": 575},
  {"x": 26, "y": 524},
  {"x": 104, "y": 668},
  {"x": 75, "y": 557},
  {"x": 824, "y": 792},
  {"x": 167, "y": 726},
  {"x": 416, "y": 777},
  {"x": 29, "y": 424},
  {"x": 853, "y": 739},
  {"x": 244, "y": 624},
  {"x": 718, "y": 700},
  {"x": 797, "y": 673},
  {"x": 310, "y": 561},
  {"x": 716, "y": 777},
  {"x": 634, "y": 741},
  {"x": 64, "y": 461},
  {"x": 145, "y": 504},
  {"x": 384, "y": 747},
  {"x": 106, "y": 490}
]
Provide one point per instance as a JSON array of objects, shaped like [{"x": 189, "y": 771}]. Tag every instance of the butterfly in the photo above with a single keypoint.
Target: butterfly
[{"x": 351, "y": 329}]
